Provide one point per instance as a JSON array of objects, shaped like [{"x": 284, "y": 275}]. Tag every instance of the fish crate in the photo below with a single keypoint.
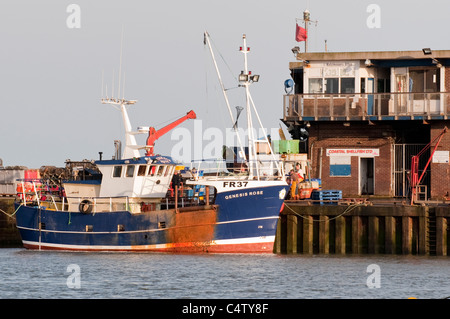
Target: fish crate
[{"x": 325, "y": 196}]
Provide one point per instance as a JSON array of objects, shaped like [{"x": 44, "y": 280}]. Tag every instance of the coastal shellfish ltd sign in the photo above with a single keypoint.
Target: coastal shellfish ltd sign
[{"x": 364, "y": 152}]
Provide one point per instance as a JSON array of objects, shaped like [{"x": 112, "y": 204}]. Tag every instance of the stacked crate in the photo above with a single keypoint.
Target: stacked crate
[{"x": 326, "y": 196}]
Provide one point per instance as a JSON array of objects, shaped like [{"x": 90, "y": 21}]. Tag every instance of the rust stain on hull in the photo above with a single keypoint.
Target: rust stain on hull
[{"x": 193, "y": 228}]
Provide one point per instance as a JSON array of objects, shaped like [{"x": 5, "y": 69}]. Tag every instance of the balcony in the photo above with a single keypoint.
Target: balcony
[{"x": 366, "y": 106}]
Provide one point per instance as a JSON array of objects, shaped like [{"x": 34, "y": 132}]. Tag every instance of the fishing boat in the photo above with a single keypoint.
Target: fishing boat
[{"x": 137, "y": 203}]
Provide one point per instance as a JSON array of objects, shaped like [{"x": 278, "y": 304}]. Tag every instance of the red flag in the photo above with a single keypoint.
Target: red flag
[{"x": 300, "y": 34}]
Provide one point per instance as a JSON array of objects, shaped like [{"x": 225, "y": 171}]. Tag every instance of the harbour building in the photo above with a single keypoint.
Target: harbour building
[{"x": 373, "y": 123}]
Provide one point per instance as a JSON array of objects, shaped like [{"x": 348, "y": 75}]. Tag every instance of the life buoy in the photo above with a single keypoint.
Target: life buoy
[{"x": 85, "y": 206}]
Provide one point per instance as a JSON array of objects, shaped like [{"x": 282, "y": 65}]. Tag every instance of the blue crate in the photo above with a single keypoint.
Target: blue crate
[{"x": 325, "y": 196}]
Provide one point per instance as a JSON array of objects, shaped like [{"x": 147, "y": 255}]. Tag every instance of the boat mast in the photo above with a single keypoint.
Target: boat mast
[
  {"x": 247, "y": 78},
  {"x": 224, "y": 91},
  {"x": 244, "y": 78},
  {"x": 131, "y": 149}
]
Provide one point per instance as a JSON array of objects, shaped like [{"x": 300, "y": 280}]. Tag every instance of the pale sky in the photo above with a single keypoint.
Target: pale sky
[{"x": 51, "y": 75}]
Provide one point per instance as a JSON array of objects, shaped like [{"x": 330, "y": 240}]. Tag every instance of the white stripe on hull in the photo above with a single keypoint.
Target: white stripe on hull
[
  {"x": 222, "y": 242},
  {"x": 139, "y": 231}
]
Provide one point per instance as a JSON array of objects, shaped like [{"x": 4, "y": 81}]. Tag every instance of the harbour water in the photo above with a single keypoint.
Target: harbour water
[{"x": 54, "y": 275}]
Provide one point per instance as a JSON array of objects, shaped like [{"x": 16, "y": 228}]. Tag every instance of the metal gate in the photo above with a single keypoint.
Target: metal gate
[{"x": 402, "y": 167}]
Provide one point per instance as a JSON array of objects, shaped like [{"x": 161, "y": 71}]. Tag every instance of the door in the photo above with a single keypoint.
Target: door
[
  {"x": 370, "y": 89},
  {"x": 400, "y": 80},
  {"x": 402, "y": 166},
  {"x": 366, "y": 176}
]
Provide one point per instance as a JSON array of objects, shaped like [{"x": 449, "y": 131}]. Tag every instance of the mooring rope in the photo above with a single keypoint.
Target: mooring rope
[
  {"x": 347, "y": 210},
  {"x": 10, "y": 215}
]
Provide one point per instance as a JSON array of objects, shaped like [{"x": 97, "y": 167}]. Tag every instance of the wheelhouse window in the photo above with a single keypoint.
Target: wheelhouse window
[
  {"x": 117, "y": 171},
  {"x": 161, "y": 170},
  {"x": 152, "y": 170},
  {"x": 130, "y": 171},
  {"x": 141, "y": 170},
  {"x": 168, "y": 170}
]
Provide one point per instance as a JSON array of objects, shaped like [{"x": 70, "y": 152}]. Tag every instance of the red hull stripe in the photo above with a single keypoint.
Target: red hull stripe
[{"x": 229, "y": 246}]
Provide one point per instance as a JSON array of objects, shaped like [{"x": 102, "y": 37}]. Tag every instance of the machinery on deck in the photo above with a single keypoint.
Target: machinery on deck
[{"x": 154, "y": 134}]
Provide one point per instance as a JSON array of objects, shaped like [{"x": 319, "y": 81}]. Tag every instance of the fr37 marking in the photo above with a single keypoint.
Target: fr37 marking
[{"x": 235, "y": 184}]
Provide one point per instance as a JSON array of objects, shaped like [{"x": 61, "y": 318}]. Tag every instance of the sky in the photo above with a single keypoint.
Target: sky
[{"x": 51, "y": 72}]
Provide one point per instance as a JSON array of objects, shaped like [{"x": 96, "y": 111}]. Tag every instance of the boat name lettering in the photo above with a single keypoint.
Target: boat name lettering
[
  {"x": 244, "y": 194},
  {"x": 163, "y": 160},
  {"x": 235, "y": 184}
]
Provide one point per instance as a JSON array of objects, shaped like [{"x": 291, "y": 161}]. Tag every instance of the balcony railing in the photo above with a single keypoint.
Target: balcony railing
[{"x": 366, "y": 106}]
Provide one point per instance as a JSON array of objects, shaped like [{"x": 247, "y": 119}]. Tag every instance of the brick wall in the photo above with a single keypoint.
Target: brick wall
[
  {"x": 440, "y": 172},
  {"x": 357, "y": 135},
  {"x": 447, "y": 79}
]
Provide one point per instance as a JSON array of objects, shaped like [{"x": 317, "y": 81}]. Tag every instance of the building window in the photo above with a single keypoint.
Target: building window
[
  {"x": 332, "y": 85},
  {"x": 315, "y": 85},
  {"x": 424, "y": 81},
  {"x": 347, "y": 85},
  {"x": 117, "y": 171},
  {"x": 340, "y": 166}
]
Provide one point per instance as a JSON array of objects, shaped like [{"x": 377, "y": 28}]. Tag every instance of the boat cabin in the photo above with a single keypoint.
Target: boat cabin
[
  {"x": 145, "y": 178},
  {"x": 142, "y": 177}
]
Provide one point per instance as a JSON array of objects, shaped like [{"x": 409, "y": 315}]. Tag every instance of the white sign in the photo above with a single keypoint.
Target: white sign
[
  {"x": 362, "y": 152},
  {"x": 441, "y": 157}
]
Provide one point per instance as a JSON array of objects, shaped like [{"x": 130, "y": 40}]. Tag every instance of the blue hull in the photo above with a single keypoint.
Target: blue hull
[{"x": 240, "y": 221}]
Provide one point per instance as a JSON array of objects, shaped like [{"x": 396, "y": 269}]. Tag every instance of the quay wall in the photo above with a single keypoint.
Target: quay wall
[
  {"x": 332, "y": 229},
  {"x": 9, "y": 234},
  {"x": 363, "y": 229}
]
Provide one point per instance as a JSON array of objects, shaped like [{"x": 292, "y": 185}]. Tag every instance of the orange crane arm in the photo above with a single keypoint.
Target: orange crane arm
[{"x": 154, "y": 134}]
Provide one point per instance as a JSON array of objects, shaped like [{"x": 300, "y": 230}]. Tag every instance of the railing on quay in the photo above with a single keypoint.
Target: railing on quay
[{"x": 366, "y": 106}]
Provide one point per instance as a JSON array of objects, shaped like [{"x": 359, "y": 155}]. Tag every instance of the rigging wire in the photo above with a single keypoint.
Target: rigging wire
[{"x": 223, "y": 59}]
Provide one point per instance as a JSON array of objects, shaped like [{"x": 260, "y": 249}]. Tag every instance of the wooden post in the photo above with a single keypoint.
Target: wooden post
[
  {"x": 389, "y": 235},
  {"x": 356, "y": 235},
  {"x": 441, "y": 236},
  {"x": 422, "y": 236},
  {"x": 324, "y": 235},
  {"x": 406, "y": 235},
  {"x": 308, "y": 235},
  {"x": 373, "y": 245},
  {"x": 291, "y": 234},
  {"x": 278, "y": 238},
  {"x": 340, "y": 235}
]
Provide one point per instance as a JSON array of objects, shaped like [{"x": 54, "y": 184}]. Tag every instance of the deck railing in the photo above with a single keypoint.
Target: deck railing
[
  {"x": 367, "y": 106},
  {"x": 263, "y": 168}
]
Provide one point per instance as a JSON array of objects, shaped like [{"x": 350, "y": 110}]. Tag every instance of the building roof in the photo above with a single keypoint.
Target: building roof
[
  {"x": 378, "y": 58},
  {"x": 377, "y": 55}
]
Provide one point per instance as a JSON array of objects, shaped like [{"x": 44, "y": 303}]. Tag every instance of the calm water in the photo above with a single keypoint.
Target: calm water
[{"x": 34, "y": 274}]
